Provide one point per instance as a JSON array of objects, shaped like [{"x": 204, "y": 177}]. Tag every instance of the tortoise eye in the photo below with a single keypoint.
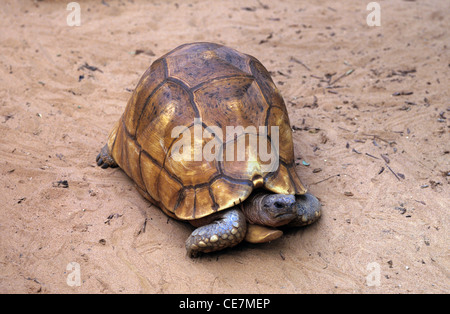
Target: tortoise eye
[{"x": 278, "y": 205}]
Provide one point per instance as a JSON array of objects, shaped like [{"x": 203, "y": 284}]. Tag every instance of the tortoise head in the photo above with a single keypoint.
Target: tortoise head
[
  {"x": 271, "y": 210},
  {"x": 266, "y": 211}
]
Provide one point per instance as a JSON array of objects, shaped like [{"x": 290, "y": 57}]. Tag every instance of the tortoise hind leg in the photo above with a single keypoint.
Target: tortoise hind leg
[
  {"x": 104, "y": 159},
  {"x": 226, "y": 230}
]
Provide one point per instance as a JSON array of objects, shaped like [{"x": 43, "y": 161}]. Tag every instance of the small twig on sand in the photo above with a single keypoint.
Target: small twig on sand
[
  {"x": 336, "y": 175},
  {"x": 343, "y": 75},
  {"x": 300, "y": 62},
  {"x": 393, "y": 172}
]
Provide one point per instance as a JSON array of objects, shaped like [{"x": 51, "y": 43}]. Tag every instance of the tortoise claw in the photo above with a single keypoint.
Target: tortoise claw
[{"x": 99, "y": 160}]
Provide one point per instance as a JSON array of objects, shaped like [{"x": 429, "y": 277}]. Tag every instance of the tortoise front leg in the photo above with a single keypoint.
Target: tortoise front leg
[
  {"x": 308, "y": 210},
  {"x": 226, "y": 230}
]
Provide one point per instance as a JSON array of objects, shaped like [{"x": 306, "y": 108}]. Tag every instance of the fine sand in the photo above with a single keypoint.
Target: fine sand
[{"x": 370, "y": 110}]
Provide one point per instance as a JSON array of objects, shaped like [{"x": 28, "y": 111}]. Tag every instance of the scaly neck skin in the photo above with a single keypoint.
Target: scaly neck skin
[{"x": 252, "y": 209}]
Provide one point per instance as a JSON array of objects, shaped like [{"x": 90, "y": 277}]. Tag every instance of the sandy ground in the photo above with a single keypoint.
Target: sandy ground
[{"x": 369, "y": 106}]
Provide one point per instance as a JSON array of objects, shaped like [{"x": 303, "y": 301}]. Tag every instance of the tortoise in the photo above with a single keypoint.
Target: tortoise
[{"x": 217, "y": 179}]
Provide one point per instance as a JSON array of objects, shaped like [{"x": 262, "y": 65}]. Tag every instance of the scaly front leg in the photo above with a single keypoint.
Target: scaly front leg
[{"x": 226, "y": 230}]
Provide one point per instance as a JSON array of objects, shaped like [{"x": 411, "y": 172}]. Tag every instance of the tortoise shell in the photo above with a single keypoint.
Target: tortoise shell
[{"x": 204, "y": 86}]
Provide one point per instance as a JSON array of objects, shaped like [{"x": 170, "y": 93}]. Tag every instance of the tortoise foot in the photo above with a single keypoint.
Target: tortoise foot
[
  {"x": 227, "y": 230},
  {"x": 308, "y": 210},
  {"x": 105, "y": 160}
]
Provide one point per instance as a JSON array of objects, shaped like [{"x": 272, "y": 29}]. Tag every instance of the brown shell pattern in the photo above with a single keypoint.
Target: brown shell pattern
[{"x": 222, "y": 87}]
